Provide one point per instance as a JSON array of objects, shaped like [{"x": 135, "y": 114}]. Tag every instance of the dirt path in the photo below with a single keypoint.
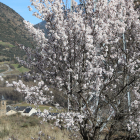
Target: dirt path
[{"x": 9, "y": 70}]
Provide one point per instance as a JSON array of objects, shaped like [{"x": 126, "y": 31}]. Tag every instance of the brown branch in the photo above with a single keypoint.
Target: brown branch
[
  {"x": 125, "y": 87},
  {"x": 93, "y": 119}
]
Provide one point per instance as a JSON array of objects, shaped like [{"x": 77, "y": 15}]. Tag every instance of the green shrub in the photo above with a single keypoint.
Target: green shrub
[
  {"x": 12, "y": 67},
  {"x": 19, "y": 66}
]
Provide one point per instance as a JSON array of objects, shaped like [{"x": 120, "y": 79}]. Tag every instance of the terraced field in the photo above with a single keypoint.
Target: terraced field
[
  {"x": 6, "y": 70},
  {"x": 21, "y": 69},
  {"x": 3, "y": 68}
]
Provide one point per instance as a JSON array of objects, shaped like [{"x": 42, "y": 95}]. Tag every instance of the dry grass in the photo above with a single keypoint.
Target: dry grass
[
  {"x": 4, "y": 62},
  {"x": 13, "y": 72},
  {"x": 20, "y": 127}
]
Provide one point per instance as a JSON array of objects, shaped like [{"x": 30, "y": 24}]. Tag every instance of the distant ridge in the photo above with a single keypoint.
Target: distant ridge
[{"x": 41, "y": 26}]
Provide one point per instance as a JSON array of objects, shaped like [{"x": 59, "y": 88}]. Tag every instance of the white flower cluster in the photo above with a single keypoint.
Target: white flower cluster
[
  {"x": 33, "y": 94},
  {"x": 1, "y": 78},
  {"x": 70, "y": 119}
]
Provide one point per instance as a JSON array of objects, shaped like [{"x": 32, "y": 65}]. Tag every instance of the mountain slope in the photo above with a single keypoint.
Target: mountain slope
[
  {"x": 41, "y": 26},
  {"x": 12, "y": 29}
]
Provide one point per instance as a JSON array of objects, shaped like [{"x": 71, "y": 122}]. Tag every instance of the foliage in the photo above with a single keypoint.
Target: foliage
[{"x": 19, "y": 66}]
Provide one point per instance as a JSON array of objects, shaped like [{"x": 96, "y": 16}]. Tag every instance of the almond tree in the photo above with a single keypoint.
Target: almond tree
[{"x": 83, "y": 57}]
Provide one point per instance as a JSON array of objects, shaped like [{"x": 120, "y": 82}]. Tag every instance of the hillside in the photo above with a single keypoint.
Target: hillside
[
  {"x": 12, "y": 29},
  {"x": 41, "y": 26}
]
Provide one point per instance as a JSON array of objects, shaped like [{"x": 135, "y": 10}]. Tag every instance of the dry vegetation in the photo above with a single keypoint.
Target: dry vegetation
[{"x": 19, "y": 127}]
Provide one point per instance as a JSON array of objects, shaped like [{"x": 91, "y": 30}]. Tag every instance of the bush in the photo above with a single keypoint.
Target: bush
[
  {"x": 30, "y": 121},
  {"x": 9, "y": 102},
  {"x": 4, "y": 133},
  {"x": 8, "y": 59},
  {"x": 25, "y": 125},
  {"x": 12, "y": 67},
  {"x": 33, "y": 121},
  {"x": 19, "y": 66}
]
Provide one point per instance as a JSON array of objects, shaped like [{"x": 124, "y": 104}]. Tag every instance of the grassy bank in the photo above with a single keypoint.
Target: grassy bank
[
  {"x": 21, "y": 69},
  {"x": 19, "y": 127},
  {"x": 6, "y": 44}
]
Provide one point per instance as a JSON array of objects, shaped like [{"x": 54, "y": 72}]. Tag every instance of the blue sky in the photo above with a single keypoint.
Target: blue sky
[{"x": 20, "y": 6}]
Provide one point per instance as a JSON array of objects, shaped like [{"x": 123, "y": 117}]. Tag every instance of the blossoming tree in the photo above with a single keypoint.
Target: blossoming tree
[{"x": 85, "y": 57}]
